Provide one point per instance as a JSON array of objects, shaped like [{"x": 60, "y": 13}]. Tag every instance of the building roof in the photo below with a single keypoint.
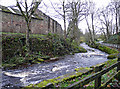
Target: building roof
[
  {"x": 15, "y": 11},
  {"x": 39, "y": 15}
]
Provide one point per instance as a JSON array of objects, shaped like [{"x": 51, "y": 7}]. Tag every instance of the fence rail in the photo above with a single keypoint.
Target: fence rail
[{"x": 97, "y": 77}]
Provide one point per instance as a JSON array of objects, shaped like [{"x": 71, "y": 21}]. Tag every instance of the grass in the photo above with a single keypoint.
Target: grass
[{"x": 22, "y": 34}]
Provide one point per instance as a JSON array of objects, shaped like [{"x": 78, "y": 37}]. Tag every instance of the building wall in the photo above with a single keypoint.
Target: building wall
[{"x": 15, "y": 23}]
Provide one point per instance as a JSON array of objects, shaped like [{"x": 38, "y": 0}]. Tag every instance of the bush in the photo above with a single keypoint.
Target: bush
[
  {"x": 48, "y": 45},
  {"x": 115, "y": 39}
]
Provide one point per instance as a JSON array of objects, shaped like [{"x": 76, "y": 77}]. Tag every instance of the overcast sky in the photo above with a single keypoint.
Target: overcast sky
[{"x": 82, "y": 25}]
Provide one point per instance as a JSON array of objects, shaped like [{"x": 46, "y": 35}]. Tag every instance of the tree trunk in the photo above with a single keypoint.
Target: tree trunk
[
  {"x": 91, "y": 36},
  {"x": 74, "y": 30},
  {"x": 64, "y": 28},
  {"x": 116, "y": 18},
  {"x": 108, "y": 34},
  {"x": 105, "y": 35},
  {"x": 64, "y": 20},
  {"x": 27, "y": 37},
  {"x": 93, "y": 27}
]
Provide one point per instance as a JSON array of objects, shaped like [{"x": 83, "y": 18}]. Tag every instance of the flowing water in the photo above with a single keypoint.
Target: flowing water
[{"x": 48, "y": 70}]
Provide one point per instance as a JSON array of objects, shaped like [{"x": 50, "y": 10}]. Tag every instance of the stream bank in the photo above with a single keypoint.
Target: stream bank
[
  {"x": 14, "y": 51},
  {"x": 49, "y": 70}
]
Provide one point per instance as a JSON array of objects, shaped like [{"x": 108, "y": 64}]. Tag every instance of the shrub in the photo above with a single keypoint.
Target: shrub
[{"x": 46, "y": 45}]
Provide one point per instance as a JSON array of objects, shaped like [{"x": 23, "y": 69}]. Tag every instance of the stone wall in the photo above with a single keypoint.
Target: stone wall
[{"x": 12, "y": 22}]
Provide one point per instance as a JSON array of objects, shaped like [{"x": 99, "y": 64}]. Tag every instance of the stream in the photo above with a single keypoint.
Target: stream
[{"x": 48, "y": 70}]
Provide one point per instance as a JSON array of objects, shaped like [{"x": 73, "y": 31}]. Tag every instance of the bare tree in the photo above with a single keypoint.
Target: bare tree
[
  {"x": 90, "y": 17},
  {"x": 77, "y": 11},
  {"x": 105, "y": 19},
  {"x": 89, "y": 29},
  {"x": 102, "y": 30},
  {"x": 27, "y": 11},
  {"x": 92, "y": 13},
  {"x": 114, "y": 6},
  {"x": 61, "y": 10}
]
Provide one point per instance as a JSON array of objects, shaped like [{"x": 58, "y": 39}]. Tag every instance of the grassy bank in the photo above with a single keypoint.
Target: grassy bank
[
  {"x": 112, "y": 52},
  {"x": 42, "y": 48}
]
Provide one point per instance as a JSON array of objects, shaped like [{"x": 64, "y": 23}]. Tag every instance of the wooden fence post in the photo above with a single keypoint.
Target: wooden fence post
[
  {"x": 98, "y": 80},
  {"x": 118, "y": 67}
]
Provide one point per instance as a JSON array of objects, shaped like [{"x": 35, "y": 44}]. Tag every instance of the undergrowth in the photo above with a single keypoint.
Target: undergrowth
[{"x": 41, "y": 46}]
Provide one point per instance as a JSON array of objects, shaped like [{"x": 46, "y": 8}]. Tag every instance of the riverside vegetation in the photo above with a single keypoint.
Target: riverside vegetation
[
  {"x": 112, "y": 52},
  {"x": 42, "y": 48}
]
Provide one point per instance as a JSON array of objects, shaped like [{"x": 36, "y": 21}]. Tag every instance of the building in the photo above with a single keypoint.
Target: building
[{"x": 13, "y": 21}]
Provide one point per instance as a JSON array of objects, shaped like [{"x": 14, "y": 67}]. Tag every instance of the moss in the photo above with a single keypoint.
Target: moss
[
  {"x": 82, "y": 49},
  {"x": 98, "y": 65},
  {"x": 110, "y": 62},
  {"x": 79, "y": 49},
  {"x": 62, "y": 78},
  {"x": 112, "y": 56},
  {"x": 39, "y": 59},
  {"x": 30, "y": 86},
  {"x": 35, "y": 61},
  {"x": 38, "y": 62},
  {"x": 45, "y": 57},
  {"x": 82, "y": 68},
  {"x": 8, "y": 65},
  {"x": 104, "y": 48},
  {"x": 107, "y": 49},
  {"x": 44, "y": 83},
  {"x": 79, "y": 73}
]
